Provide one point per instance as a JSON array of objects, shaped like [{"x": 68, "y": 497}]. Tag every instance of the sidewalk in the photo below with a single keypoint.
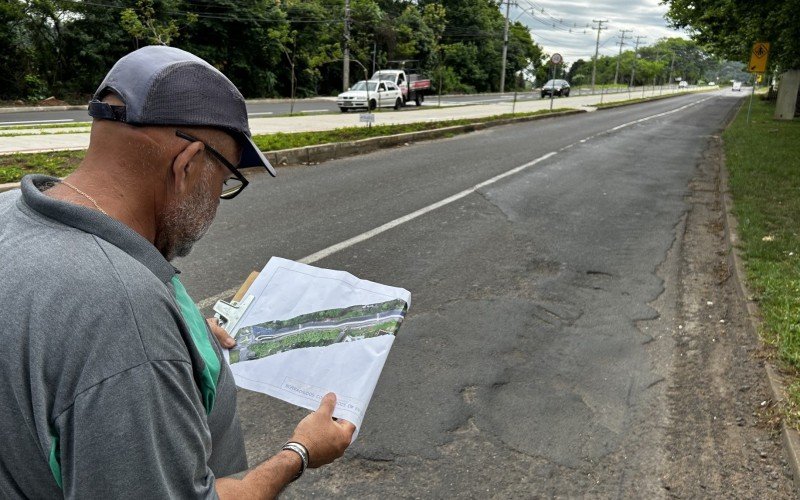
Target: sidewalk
[{"x": 308, "y": 123}]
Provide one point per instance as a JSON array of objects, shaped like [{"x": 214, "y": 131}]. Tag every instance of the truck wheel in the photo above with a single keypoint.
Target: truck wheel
[
  {"x": 397, "y": 103},
  {"x": 372, "y": 104},
  {"x": 343, "y": 110},
  {"x": 418, "y": 99}
]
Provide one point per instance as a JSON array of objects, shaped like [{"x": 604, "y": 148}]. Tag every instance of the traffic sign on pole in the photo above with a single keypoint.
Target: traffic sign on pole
[
  {"x": 556, "y": 58},
  {"x": 758, "y": 58}
]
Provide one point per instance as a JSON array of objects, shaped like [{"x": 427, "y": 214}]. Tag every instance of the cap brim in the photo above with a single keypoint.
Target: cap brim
[{"x": 253, "y": 157}]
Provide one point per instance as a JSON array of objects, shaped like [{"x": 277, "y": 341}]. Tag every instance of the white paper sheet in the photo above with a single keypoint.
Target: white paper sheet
[{"x": 353, "y": 330}]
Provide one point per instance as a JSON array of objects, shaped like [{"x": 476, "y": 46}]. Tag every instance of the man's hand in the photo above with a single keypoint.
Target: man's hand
[
  {"x": 219, "y": 332},
  {"x": 325, "y": 438}
]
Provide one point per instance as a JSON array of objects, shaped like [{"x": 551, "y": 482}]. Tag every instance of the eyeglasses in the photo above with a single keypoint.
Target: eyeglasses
[{"x": 230, "y": 187}]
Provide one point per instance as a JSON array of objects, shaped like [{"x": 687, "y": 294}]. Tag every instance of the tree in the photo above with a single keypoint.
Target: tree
[
  {"x": 728, "y": 28},
  {"x": 142, "y": 23},
  {"x": 232, "y": 35},
  {"x": 15, "y": 51}
]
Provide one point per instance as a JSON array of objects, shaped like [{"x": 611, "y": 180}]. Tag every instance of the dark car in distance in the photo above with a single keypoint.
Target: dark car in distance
[{"x": 556, "y": 88}]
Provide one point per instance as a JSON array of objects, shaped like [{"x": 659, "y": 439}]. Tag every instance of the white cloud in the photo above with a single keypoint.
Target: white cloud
[{"x": 565, "y": 26}]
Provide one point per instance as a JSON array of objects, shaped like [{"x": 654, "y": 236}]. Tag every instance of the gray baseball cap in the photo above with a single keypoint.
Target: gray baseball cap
[{"x": 167, "y": 86}]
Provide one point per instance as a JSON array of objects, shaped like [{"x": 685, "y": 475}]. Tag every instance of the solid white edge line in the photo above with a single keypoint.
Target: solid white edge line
[{"x": 314, "y": 257}]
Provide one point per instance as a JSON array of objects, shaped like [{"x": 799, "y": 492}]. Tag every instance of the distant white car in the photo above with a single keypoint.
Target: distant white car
[
  {"x": 683, "y": 84},
  {"x": 736, "y": 87},
  {"x": 372, "y": 94}
]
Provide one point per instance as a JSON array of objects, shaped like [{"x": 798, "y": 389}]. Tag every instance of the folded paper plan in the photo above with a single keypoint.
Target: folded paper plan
[{"x": 306, "y": 331}]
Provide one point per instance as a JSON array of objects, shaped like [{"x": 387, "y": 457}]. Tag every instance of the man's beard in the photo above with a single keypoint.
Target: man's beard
[{"x": 185, "y": 222}]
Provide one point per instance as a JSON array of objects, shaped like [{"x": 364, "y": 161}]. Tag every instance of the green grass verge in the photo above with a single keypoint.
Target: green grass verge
[
  {"x": 60, "y": 163},
  {"x": 764, "y": 181},
  {"x": 278, "y": 141},
  {"x": 46, "y": 126},
  {"x": 57, "y": 163}
]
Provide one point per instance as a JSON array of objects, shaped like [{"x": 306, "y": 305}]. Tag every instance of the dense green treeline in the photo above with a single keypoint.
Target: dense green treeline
[
  {"x": 667, "y": 60},
  {"x": 63, "y": 48},
  {"x": 729, "y": 28}
]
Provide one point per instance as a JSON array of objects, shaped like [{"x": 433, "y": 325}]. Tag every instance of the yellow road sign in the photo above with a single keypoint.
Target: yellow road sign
[{"x": 758, "y": 58}]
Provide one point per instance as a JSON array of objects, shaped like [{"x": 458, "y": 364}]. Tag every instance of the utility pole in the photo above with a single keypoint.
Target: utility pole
[
  {"x": 505, "y": 50},
  {"x": 597, "y": 47},
  {"x": 346, "y": 57},
  {"x": 635, "y": 55},
  {"x": 671, "y": 68},
  {"x": 619, "y": 56}
]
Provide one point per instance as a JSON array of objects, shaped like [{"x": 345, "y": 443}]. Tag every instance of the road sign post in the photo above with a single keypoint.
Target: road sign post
[
  {"x": 555, "y": 60},
  {"x": 367, "y": 118},
  {"x": 757, "y": 65}
]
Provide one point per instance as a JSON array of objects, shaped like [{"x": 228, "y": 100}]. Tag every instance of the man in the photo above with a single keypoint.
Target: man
[{"x": 112, "y": 384}]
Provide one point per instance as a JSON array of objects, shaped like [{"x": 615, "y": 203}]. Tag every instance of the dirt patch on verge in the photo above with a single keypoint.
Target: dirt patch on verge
[{"x": 721, "y": 439}]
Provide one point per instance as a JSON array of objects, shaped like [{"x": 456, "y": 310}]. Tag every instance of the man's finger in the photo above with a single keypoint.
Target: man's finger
[
  {"x": 347, "y": 425},
  {"x": 222, "y": 336},
  {"x": 327, "y": 405}
]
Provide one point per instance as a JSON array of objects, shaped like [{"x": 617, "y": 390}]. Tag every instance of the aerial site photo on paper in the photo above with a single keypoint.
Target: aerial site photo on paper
[{"x": 318, "y": 329}]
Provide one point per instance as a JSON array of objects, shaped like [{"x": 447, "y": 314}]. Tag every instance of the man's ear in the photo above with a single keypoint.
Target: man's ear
[{"x": 182, "y": 163}]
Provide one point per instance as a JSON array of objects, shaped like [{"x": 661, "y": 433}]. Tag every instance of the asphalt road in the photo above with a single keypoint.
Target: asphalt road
[
  {"x": 532, "y": 357},
  {"x": 275, "y": 108}
]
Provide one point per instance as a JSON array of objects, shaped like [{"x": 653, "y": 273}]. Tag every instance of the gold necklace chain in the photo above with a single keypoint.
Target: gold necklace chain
[{"x": 62, "y": 181}]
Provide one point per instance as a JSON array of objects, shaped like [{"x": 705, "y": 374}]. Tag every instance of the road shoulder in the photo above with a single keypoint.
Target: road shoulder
[{"x": 721, "y": 439}]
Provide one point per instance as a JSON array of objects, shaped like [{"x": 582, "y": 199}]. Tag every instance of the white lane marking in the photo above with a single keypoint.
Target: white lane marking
[
  {"x": 413, "y": 215},
  {"x": 665, "y": 113},
  {"x": 310, "y": 259},
  {"x": 263, "y": 113},
  {"x": 66, "y": 120}
]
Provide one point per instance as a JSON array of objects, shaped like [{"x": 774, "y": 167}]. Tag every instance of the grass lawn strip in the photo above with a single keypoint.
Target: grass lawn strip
[
  {"x": 29, "y": 126},
  {"x": 762, "y": 159},
  {"x": 60, "y": 163}
]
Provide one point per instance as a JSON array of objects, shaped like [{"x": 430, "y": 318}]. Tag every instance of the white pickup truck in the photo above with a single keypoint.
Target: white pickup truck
[{"x": 413, "y": 85}]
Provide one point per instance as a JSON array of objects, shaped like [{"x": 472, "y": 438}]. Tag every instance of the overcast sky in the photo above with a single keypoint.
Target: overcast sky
[{"x": 551, "y": 28}]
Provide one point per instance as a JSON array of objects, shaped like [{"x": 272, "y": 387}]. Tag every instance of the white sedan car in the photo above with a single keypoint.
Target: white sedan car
[{"x": 379, "y": 94}]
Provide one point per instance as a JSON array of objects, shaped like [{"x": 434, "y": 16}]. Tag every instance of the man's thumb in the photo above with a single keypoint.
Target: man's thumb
[{"x": 327, "y": 405}]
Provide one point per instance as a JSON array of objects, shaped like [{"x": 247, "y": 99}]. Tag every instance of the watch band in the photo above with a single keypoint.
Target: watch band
[{"x": 300, "y": 450}]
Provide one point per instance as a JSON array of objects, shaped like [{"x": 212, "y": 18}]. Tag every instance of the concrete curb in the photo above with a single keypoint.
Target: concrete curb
[
  {"x": 309, "y": 155},
  {"x": 23, "y": 109},
  {"x": 8, "y": 186},
  {"x": 789, "y": 436}
]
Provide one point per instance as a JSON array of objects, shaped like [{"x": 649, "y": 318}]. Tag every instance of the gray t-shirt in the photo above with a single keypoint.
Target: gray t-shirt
[{"x": 111, "y": 385}]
